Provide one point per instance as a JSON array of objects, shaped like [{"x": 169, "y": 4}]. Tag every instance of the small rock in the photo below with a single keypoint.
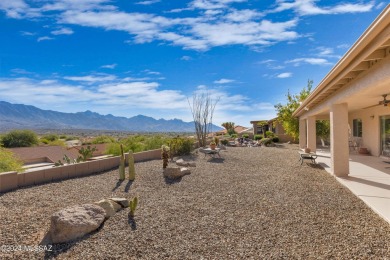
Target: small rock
[
  {"x": 181, "y": 162},
  {"x": 108, "y": 206},
  {"x": 192, "y": 164},
  {"x": 185, "y": 171},
  {"x": 121, "y": 201},
  {"x": 74, "y": 222}
]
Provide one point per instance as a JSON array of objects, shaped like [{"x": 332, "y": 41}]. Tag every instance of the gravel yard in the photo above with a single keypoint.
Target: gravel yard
[{"x": 255, "y": 203}]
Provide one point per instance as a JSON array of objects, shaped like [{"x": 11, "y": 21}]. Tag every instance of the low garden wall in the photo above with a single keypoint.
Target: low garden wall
[{"x": 13, "y": 180}]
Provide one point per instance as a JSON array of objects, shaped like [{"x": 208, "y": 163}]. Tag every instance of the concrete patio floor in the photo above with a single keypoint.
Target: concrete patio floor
[{"x": 369, "y": 179}]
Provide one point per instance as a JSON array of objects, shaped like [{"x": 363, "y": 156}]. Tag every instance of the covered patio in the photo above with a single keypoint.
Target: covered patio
[
  {"x": 368, "y": 179},
  {"x": 353, "y": 96}
]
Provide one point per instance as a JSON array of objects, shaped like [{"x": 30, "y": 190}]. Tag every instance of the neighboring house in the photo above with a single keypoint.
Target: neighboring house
[
  {"x": 353, "y": 97},
  {"x": 271, "y": 125},
  {"x": 238, "y": 129}
]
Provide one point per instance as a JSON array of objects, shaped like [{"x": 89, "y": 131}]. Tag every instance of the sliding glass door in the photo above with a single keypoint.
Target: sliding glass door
[{"x": 385, "y": 135}]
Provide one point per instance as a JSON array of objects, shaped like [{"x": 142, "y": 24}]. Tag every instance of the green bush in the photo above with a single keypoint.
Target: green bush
[
  {"x": 181, "y": 146},
  {"x": 275, "y": 139},
  {"x": 224, "y": 142},
  {"x": 245, "y": 135},
  {"x": 50, "y": 137},
  {"x": 113, "y": 148},
  {"x": 258, "y": 137},
  {"x": 266, "y": 141},
  {"x": 20, "y": 138},
  {"x": 63, "y": 137},
  {"x": 269, "y": 134},
  {"x": 137, "y": 143},
  {"x": 9, "y": 162},
  {"x": 233, "y": 136},
  {"x": 103, "y": 139}
]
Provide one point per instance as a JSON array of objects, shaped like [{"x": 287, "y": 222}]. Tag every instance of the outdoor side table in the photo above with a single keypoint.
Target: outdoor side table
[{"x": 212, "y": 153}]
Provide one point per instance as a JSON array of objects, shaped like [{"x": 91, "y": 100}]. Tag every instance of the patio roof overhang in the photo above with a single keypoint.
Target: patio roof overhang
[{"x": 372, "y": 47}]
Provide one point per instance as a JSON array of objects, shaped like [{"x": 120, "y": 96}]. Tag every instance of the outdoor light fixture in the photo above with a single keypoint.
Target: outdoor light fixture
[{"x": 372, "y": 116}]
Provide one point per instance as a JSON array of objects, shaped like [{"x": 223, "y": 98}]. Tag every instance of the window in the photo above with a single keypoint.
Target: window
[{"x": 357, "y": 128}]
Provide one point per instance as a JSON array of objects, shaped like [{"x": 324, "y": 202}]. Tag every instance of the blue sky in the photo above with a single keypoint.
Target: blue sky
[{"x": 146, "y": 57}]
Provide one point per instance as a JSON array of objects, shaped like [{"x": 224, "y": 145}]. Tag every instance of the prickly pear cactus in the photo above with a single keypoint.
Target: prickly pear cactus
[{"x": 132, "y": 206}]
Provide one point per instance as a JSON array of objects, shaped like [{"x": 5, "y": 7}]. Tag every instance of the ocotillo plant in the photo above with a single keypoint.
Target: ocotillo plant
[
  {"x": 131, "y": 166},
  {"x": 165, "y": 155},
  {"x": 132, "y": 206},
  {"x": 122, "y": 165}
]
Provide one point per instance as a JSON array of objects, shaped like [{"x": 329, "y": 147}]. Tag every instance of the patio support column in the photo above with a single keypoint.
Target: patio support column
[
  {"x": 302, "y": 133},
  {"x": 339, "y": 139},
  {"x": 311, "y": 133}
]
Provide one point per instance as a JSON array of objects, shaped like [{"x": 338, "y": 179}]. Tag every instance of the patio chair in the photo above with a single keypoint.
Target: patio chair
[{"x": 323, "y": 144}]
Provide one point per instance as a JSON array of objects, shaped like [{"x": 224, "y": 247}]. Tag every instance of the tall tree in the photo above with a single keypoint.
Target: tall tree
[
  {"x": 284, "y": 112},
  {"x": 202, "y": 109}
]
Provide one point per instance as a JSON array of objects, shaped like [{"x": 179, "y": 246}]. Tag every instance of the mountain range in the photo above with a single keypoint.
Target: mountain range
[{"x": 19, "y": 116}]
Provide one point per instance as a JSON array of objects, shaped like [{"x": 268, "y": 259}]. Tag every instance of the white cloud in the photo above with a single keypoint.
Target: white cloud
[
  {"x": 185, "y": 58},
  {"x": 20, "y": 71},
  {"x": 224, "y": 81},
  {"x": 213, "y": 4},
  {"x": 149, "y": 2},
  {"x": 312, "y": 61},
  {"x": 150, "y": 72},
  {"x": 44, "y": 38},
  {"x": 109, "y": 66},
  {"x": 91, "y": 78},
  {"x": 66, "y": 31},
  {"x": 284, "y": 75},
  {"x": 308, "y": 7},
  {"x": 24, "y": 33}
]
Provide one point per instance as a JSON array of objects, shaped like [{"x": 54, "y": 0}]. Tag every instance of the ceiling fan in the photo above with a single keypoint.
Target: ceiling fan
[{"x": 383, "y": 102}]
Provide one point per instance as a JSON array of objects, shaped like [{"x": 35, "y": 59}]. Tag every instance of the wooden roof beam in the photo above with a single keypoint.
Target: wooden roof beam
[
  {"x": 376, "y": 55},
  {"x": 365, "y": 65}
]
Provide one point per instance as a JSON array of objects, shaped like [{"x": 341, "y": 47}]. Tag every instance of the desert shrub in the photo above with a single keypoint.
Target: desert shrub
[
  {"x": 63, "y": 137},
  {"x": 113, "y": 148},
  {"x": 266, "y": 141},
  {"x": 224, "y": 142},
  {"x": 9, "y": 162},
  {"x": 50, "y": 137},
  {"x": 275, "y": 139},
  {"x": 258, "y": 137},
  {"x": 70, "y": 138},
  {"x": 155, "y": 142},
  {"x": 57, "y": 143},
  {"x": 233, "y": 136},
  {"x": 19, "y": 138},
  {"x": 245, "y": 135},
  {"x": 269, "y": 134},
  {"x": 181, "y": 146},
  {"x": 103, "y": 139},
  {"x": 44, "y": 141}
]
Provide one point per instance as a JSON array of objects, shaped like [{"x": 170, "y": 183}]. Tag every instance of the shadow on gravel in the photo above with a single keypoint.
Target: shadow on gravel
[
  {"x": 132, "y": 223},
  {"x": 118, "y": 184},
  {"x": 216, "y": 160},
  {"x": 172, "y": 181},
  {"x": 315, "y": 166},
  {"x": 57, "y": 249},
  {"x": 128, "y": 185}
]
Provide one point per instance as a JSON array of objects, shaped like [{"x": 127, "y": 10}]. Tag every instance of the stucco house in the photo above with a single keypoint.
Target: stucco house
[
  {"x": 355, "y": 97},
  {"x": 271, "y": 125}
]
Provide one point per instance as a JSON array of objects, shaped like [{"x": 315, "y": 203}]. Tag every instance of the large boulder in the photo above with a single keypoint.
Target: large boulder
[
  {"x": 74, "y": 222},
  {"x": 172, "y": 173}
]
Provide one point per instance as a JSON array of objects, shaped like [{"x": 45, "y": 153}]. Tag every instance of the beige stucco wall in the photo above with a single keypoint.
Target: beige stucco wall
[
  {"x": 13, "y": 180},
  {"x": 370, "y": 126}
]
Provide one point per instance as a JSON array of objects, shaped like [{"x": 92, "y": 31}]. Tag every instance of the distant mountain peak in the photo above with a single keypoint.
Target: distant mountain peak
[{"x": 18, "y": 116}]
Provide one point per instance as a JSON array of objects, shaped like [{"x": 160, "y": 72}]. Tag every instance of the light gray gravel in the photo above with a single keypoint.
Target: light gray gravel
[{"x": 256, "y": 203}]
